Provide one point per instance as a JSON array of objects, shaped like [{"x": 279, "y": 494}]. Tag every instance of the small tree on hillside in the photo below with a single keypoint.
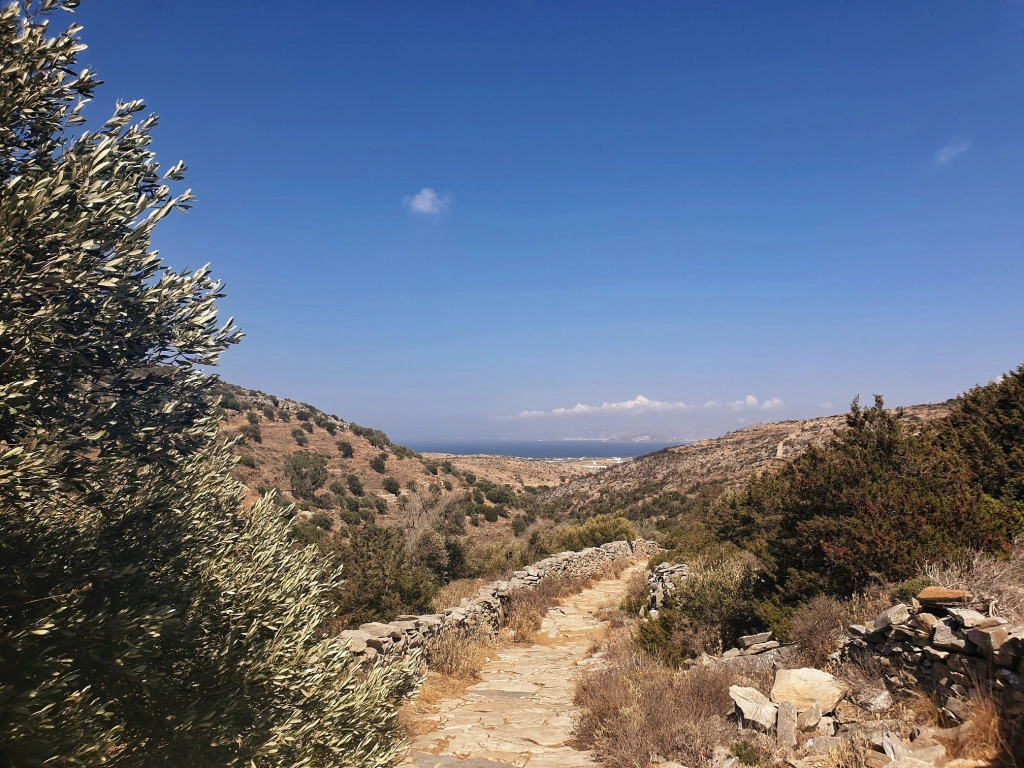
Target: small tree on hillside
[
  {"x": 377, "y": 463},
  {"x": 345, "y": 449},
  {"x": 307, "y": 473},
  {"x": 391, "y": 485},
  {"x": 355, "y": 485}
]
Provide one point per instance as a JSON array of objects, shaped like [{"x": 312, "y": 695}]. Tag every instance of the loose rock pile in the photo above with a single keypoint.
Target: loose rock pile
[
  {"x": 942, "y": 644},
  {"x": 484, "y": 611}
]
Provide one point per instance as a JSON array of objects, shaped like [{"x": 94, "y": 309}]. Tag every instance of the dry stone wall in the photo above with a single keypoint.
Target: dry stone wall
[
  {"x": 944, "y": 645},
  {"x": 484, "y": 611}
]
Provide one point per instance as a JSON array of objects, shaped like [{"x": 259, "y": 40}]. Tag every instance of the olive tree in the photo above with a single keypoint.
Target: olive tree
[{"x": 147, "y": 618}]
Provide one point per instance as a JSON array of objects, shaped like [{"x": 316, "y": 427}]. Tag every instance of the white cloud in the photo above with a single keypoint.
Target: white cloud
[
  {"x": 639, "y": 404},
  {"x": 951, "y": 151},
  {"x": 826, "y": 405},
  {"x": 771, "y": 404},
  {"x": 713, "y": 404},
  {"x": 748, "y": 402},
  {"x": 427, "y": 201}
]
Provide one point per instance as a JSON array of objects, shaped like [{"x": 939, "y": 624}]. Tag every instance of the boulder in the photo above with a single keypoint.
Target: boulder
[
  {"x": 926, "y": 622},
  {"x": 356, "y": 639},
  {"x": 754, "y": 706},
  {"x": 808, "y": 686},
  {"x": 875, "y": 701},
  {"x": 948, "y": 638},
  {"x": 989, "y": 640},
  {"x": 771, "y": 645}
]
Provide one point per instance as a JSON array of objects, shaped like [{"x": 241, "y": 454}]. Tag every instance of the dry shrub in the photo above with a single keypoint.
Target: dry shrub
[
  {"x": 819, "y": 627},
  {"x": 864, "y": 673},
  {"x": 983, "y": 736},
  {"x": 845, "y": 754},
  {"x": 999, "y": 582},
  {"x": 451, "y": 594},
  {"x": 635, "y": 598},
  {"x": 457, "y": 653},
  {"x": 635, "y": 707},
  {"x": 865, "y": 606},
  {"x": 526, "y": 607}
]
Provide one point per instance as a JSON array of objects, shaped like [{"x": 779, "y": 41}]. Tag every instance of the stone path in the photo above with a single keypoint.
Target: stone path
[{"x": 520, "y": 714}]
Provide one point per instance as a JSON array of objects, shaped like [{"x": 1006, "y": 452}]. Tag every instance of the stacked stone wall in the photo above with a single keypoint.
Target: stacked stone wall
[
  {"x": 484, "y": 611},
  {"x": 948, "y": 648}
]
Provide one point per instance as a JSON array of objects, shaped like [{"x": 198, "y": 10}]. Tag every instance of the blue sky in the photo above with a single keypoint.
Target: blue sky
[{"x": 683, "y": 203}]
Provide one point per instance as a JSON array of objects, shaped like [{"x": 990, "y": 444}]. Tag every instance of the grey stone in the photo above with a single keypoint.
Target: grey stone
[
  {"x": 947, "y": 638},
  {"x": 748, "y": 640},
  {"x": 809, "y": 718},
  {"x": 785, "y": 728},
  {"x": 898, "y": 614},
  {"x": 969, "y": 619}
]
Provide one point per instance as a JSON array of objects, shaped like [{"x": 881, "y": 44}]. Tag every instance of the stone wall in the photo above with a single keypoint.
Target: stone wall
[
  {"x": 484, "y": 610},
  {"x": 661, "y": 584},
  {"x": 942, "y": 644}
]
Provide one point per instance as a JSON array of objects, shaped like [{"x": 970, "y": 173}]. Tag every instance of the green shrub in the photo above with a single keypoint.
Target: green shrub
[
  {"x": 355, "y": 485},
  {"x": 447, "y": 484},
  {"x": 308, "y": 426},
  {"x": 251, "y": 432},
  {"x": 490, "y": 514},
  {"x": 268, "y": 412},
  {"x": 470, "y": 478},
  {"x": 246, "y": 460},
  {"x": 350, "y": 516},
  {"x": 338, "y": 488},
  {"x": 837, "y": 517},
  {"x": 430, "y": 467},
  {"x": 594, "y": 532},
  {"x": 352, "y": 505},
  {"x": 300, "y": 437},
  {"x": 709, "y": 611},
  {"x": 447, "y": 468},
  {"x": 911, "y": 588},
  {"x": 345, "y": 449},
  {"x": 478, "y": 496},
  {"x": 322, "y": 520},
  {"x": 391, "y": 485},
  {"x": 284, "y": 415},
  {"x": 377, "y": 463},
  {"x": 303, "y": 414},
  {"x": 252, "y": 417}
]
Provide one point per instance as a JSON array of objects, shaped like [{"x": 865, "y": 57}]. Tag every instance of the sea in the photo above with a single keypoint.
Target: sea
[{"x": 542, "y": 449}]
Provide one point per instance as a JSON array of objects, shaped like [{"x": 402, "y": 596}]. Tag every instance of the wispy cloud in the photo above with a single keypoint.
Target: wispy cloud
[
  {"x": 951, "y": 151},
  {"x": 747, "y": 403},
  {"x": 826, "y": 405},
  {"x": 428, "y": 202},
  {"x": 638, "y": 404}
]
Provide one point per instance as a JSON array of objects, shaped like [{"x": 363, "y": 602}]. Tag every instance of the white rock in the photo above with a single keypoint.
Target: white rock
[
  {"x": 755, "y": 706},
  {"x": 808, "y": 686}
]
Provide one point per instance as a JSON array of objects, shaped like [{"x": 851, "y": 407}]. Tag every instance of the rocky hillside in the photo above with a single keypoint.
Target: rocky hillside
[
  {"x": 665, "y": 478},
  {"x": 367, "y": 476}
]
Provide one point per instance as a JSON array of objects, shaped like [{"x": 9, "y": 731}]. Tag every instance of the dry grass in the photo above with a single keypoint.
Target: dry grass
[
  {"x": 998, "y": 582},
  {"x": 846, "y": 754},
  {"x": 635, "y": 707},
  {"x": 451, "y": 594},
  {"x": 984, "y": 735},
  {"x": 458, "y": 653},
  {"x": 819, "y": 628},
  {"x": 637, "y": 591}
]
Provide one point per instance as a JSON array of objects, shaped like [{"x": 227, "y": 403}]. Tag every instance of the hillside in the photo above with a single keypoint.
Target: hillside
[{"x": 660, "y": 482}]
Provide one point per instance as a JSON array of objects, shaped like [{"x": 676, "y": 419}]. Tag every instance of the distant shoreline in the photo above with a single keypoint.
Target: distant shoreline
[{"x": 542, "y": 449}]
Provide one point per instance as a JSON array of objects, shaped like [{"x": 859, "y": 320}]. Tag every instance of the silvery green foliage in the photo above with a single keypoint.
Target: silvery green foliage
[{"x": 146, "y": 617}]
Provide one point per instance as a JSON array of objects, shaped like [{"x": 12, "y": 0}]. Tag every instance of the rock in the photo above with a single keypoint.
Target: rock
[
  {"x": 958, "y": 709},
  {"x": 808, "y": 686},
  {"x": 989, "y": 640},
  {"x": 377, "y": 629},
  {"x": 785, "y": 727},
  {"x": 356, "y": 639},
  {"x": 926, "y": 622},
  {"x": 761, "y": 648},
  {"x": 732, "y": 653},
  {"x": 941, "y": 595},
  {"x": 826, "y": 726},
  {"x": 898, "y": 614},
  {"x": 755, "y": 707},
  {"x": 879, "y": 701},
  {"x": 874, "y": 759},
  {"x": 748, "y": 640},
  {"x": 969, "y": 619},
  {"x": 947, "y": 638},
  {"x": 809, "y": 718}
]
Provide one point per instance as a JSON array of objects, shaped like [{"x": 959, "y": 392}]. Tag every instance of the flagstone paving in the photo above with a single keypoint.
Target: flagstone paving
[{"x": 520, "y": 713}]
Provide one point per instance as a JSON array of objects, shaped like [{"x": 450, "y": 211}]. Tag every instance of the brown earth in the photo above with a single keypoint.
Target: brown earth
[{"x": 521, "y": 472}]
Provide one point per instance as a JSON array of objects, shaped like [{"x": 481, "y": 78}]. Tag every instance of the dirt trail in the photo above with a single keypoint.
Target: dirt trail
[{"x": 520, "y": 714}]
